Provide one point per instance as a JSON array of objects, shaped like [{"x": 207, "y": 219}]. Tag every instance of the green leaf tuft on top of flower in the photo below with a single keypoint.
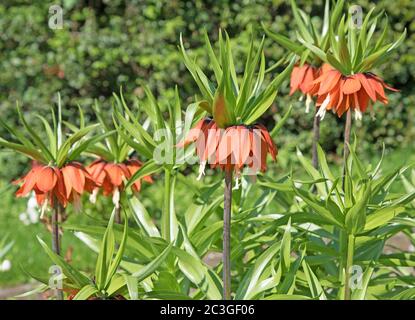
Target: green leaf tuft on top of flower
[
  {"x": 307, "y": 29},
  {"x": 353, "y": 49},
  {"x": 55, "y": 176},
  {"x": 58, "y": 149},
  {"x": 234, "y": 100}
]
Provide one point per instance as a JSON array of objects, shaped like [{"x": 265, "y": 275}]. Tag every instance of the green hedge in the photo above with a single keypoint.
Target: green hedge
[{"x": 108, "y": 44}]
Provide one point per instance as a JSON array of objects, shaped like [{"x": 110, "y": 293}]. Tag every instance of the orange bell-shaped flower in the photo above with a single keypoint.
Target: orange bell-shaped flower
[{"x": 232, "y": 148}]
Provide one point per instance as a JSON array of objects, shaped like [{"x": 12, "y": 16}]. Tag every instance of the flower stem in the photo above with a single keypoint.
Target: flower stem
[
  {"x": 316, "y": 138},
  {"x": 349, "y": 263},
  {"x": 165, "y": 223},
  {"x": 227, "y": 206},
  {"x": 117, "y": 217},
  {"x": 343, "y": 239},
  {"x": 56, "y": 245}
]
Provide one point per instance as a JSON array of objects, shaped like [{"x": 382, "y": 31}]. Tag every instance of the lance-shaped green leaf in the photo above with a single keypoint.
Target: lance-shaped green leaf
[
  {"x": 86, "y": 292},
  {"x": 285, "y": 251},
  {"x": 250, "y": 281},
  {"x": 142, "y": 217},
  {"x": 25, "y": 150},
  {"x": 75, "y": 276},
  {"x": 382, "y": 216},
  {"x": 314, "y": 284},
  {"x": 105, "y": 255},
  {"x": 153, "y": 265},
  {"x": 356, "y": 217},
  {"x": 227, "y": 103},
  {"x": 333, "y": 217},
  {"x": 63, "y": 151},
  {"x": 260, "y": 104},
  {"x": 35, "y": 137},
  {"x": 114, "y": 263}
]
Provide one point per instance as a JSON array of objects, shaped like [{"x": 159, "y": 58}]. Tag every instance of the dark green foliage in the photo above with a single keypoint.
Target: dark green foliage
[{"x": 108, "y": 44}]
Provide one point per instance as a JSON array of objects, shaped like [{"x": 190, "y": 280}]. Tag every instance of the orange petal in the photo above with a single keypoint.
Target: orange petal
[
  {"x": 29, "y": 182},
  {"x": 256, "y": 149},
  {"x": 96, "y": 170},
  {"x": 363, "y": 98},
  {"x": 351, "y": 85},
  {"x": 73, "y": 178},
  {"x": 367, "y": 86},
  {"x": 307, "y": 83},
  {"x": 270, "y": 144},
  {"x": 116, "y": 173},
  {"x": 224, "y": 148},
  {"x": 235, "y": 145},
  {"x": 193, "y": 134},
  {"x": 329, "y": 81},
  {"x": 297, "y": 76},
  {"x": 245, "y": 144},
  {"x": 212, "y": 140},
  {"x": 377, "y": 87},
  {"x": 59, "y": 190},
  {"x": 46, "y": 179}
]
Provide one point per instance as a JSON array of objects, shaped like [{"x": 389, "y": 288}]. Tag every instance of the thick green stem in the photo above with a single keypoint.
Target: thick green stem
[
  {"x": 343, "y": 237},
  {"x": 56, "y": 245},
  {"x": 342, "y": 261},
  {"x": 227, "y": 207},
  {"x": 347, "y": 130},
  {"x": 349, "y": 264},
  {"x": 165, "y": 223},
  {"x": 316, "y": 138}
]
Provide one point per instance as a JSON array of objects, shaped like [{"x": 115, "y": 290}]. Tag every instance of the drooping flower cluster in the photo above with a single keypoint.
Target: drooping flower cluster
[
  {"x": 339, "y": 93},
  {"x": 303, "y": 79},
  {"x": 68, "y": 183},
  {"x": 347, "y": 56},
  {"x": 51, "y": 184},
  {"x": 110, "y": 177},
  {"x": 232, "y": 148}
]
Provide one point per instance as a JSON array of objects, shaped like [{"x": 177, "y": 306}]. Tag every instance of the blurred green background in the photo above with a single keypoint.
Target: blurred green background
[{"x": 108, "y": 44}]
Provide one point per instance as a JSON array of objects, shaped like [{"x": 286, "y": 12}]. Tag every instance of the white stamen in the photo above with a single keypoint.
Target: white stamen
[
  {"x": 301, "y": 98},
  {"x": 322, "y": 110},
  {"x": 201, "y": 170},
  {"x": 116, "y": 198},
  {"x": 93, "y": 196},
  {"x": 321, "y": 113},
  {"x": 307, "y": 103},
  {"x": 326, "y": 102},
  {"x": 43, "y": 209}
]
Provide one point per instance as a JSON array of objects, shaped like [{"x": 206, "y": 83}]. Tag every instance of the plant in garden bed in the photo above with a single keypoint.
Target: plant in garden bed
[
  {"x": 151, "y": 269},
  {"x": 231, "y": 139},
  {"x": 115, "y": 165},
  {"x": 351, "y": 85},
  {"x": 155, "y": 140},
  {"x": 55, "y": 176},
  {"x": 310, "y": 66},
  {"x": 106, "y": 283},
  {"x": 355, "y": 222}
]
